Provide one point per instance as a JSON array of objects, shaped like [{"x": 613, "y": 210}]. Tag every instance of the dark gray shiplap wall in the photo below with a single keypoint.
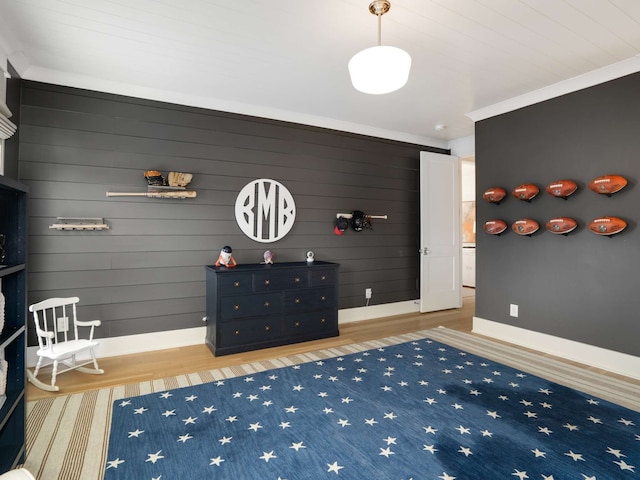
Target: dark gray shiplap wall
[
  {"x": 146, "y": 273},
  {"x": 582, "y": 287}
]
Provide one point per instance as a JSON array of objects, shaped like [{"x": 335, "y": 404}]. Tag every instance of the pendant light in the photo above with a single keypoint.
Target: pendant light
[{"x": 380, "y": 69}]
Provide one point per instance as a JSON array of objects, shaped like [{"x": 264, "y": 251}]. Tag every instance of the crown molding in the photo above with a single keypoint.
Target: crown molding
[{"x": 595, "y": 77}]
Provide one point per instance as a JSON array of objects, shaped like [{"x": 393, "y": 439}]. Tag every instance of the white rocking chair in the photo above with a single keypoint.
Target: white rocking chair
[{"x": 58, "y": 339}]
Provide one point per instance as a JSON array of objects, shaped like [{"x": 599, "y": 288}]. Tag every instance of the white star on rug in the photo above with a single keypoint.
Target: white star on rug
[
  {"x": 135, "y": 433},
  {"x": 139, "y": 411},
  {"x": 334, "y": 467},
  {"x": 545, "y": 430},
  {"x": 154, "y": 457},
  {"x": 225, "y": 440},
  {"x": 463, "y": 430},
  {"x": 430, "y": 429},
  {"x": 390, "y": 440},
  {"x": 209, "y": 409},
  {"x": 114, "y": 463},
  {"x": 386, "y": 452},
  {"x": 216, "y": 461},
  {"x": 625, "y": 466},
  {"x": 168, "y": 413},
  {"x": 291, "y": 409},
  {"x": 231, "y": 419},
  {"x": 571, "y": 428},
  {"x": 575, "y": 456},
  {"x": 429, "y": 448},
  {"x": 190, "y": 398},
  {"x": 184, "y": 438},
  {"x": 521, "y": 475},
  {"x": 343, "y": 423},
  {"x": 390, "y": 416},
  {"x": 615, "y": 452},
  {"x": 539, "y": 453},
  {"x": 297, "y": 446},
  {"x": 370, "y": 421},
  {"x": 445, "y": 476},
  {"x": 166, "y": 395},
  {"x": 267, "y": 456},
  {"x": 465, "y": 450},
  {"x": 254, "y": 426},
  {"x": 190, "y": 420},
  {"x": 284, "y": 425}
]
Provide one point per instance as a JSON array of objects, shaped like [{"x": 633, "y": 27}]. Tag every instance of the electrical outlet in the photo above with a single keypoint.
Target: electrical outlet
[
  {"x": 513, "y": 310},
  {"x": 367, "y": 293},
  {"x": 63, "y": 324}
]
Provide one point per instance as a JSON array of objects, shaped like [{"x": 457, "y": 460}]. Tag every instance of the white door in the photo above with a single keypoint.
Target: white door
[{"x": 440, "y": 240}]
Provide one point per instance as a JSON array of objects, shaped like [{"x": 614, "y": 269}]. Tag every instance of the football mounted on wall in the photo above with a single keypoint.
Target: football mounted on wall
[
  {"x": 494, "y": 194},
  {"x": 607, "y": 225},
  {"x": 526, "y": 192},
  {"x": 562, "y": 188},
  {"x": 608, "y": 184},
  {"x": 561, "y": 225},
  {"x": 495, "y": 226},
  {"x": 525, "y": 226}
]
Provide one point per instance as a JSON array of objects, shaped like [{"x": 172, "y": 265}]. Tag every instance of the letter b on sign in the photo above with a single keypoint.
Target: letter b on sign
[{"x": 265, "y": 210}]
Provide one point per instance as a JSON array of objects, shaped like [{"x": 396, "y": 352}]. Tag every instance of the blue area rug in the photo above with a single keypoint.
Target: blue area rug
[{"x": 417, "y": 410}]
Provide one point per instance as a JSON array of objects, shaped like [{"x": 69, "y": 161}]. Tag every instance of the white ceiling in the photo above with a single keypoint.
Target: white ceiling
[{"x": 287, "y": 59}]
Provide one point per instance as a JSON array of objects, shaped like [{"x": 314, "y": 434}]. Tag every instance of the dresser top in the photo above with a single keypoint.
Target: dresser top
[{"x": 249, "y": 267}]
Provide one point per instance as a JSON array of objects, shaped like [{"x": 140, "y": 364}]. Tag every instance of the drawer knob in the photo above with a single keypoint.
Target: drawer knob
[
  {"x": 267, "y": 328},
  {"x": 297, "y": 324},
  {"x": 297, "y": 300},
  {"x": 267, "y": 282},
  {"x": 297, "y": 280},
  {"x": 323, "y": 298},
  {"x": 236, "y": 284},
  {"x": 266, "y": 304},
  {"x": 205, "y": 318},
  {"x": 323, "y": 278},
  {"x": 236, "y": 307},
  {"x": 237, "y": 332},
  {"x": 322, "y": 320}
]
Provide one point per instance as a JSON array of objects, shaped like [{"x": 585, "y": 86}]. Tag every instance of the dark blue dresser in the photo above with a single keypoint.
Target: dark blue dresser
[{"x": 257, "y": 306}]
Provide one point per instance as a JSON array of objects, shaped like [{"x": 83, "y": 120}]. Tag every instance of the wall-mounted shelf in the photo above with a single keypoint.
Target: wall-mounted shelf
[
  {"x": 158, "y": 191},
  {"x": 80, "y": 223},
  {"x": 349, "y": 215}
]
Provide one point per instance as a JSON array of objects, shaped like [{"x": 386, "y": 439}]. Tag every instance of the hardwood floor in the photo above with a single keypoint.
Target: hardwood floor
[{"x": 195, "y": 358}]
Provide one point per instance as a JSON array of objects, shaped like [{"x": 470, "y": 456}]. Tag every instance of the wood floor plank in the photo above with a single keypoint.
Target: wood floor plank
[{"x": 158, "y": 364}]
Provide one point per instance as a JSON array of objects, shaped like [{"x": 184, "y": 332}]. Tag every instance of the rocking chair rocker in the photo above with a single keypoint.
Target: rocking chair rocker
[{"x": 58, "y": 339}]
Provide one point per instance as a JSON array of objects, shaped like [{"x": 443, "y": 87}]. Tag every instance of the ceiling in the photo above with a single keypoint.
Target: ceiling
[{"x": 287, "y": 59}]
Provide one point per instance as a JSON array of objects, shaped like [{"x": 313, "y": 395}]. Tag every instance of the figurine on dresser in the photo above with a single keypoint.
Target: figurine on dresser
[{"x": 226, "y": 258}]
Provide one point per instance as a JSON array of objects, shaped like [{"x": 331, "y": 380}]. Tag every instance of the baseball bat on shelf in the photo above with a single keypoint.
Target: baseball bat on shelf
[{"x": 168, "y": 194}]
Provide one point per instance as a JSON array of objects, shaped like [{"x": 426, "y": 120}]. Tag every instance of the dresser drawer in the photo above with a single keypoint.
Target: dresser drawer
[
  {"x": 309, "y": 299},
  {"x": 280, "y": 280},
  {"x": 311, "y": 322},
  {"x": 241, "y": 332},
  {"x": 239, "y": 306},
  {"x": 235, "y": 283},
  {"x": 323, "y": 277}
]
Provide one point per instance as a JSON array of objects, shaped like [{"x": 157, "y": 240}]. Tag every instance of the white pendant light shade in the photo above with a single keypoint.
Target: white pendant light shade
[{"x": 381, "y": 69}]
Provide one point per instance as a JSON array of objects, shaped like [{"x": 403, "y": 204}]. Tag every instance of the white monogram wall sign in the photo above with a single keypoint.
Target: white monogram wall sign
[{"x": 265, "y": 210}]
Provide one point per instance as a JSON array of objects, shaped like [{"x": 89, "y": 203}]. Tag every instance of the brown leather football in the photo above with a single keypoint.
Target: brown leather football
[
  {"x": 607, "y": 225},
  {"x": 494, "y": 194},
  {"x": 608, "y": 184},
  {"x": 526, "y": 191},
  {"x": 562, "y": 188},
  {"x": 561, "y": 225},
  {"x": 525, "y": 226},
  {"x": 495, "y": 226}
]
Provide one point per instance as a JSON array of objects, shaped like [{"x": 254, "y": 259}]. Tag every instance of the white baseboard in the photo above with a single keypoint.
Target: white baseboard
[
  {"x": 357, "y": 314},
  {"x": 609, "y": 360},
  {"x": 144, "y": 342},
  {"x": 147, "y": 342}
]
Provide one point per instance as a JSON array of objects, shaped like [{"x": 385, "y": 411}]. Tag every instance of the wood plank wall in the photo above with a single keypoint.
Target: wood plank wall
[{"x": 146, "y": 273}]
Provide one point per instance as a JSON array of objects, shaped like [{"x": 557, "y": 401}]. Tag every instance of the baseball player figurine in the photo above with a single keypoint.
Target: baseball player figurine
[{"x": 226, "y": 258}]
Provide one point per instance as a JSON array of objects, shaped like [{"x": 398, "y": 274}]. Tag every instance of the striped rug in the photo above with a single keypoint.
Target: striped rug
[{"x": 67, "y": 435}]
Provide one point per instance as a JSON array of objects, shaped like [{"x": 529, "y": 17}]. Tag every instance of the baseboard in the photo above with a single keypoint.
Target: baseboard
[
  {"x": 612, "y": 361},
  {"x": 357, "y": 314},
  {"x": 147, "y": 342}
]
